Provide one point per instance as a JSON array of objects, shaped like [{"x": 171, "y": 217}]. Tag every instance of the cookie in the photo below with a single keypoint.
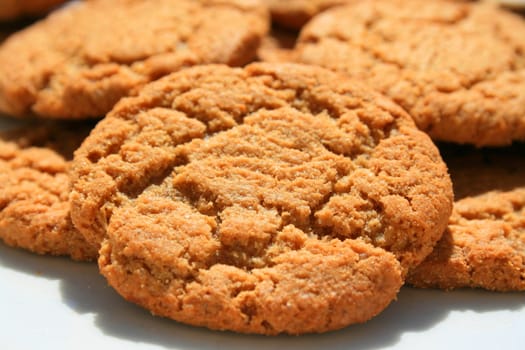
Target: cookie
[
  {"x": 421, "y": 55},
  {"x": 82, "y": 59},
  {"x": 277, "y": 46},
  {"x": 15, "y": 9},
  {"x": 34, "y": 190},
  {"x": 484, "y": 244},
  {"x": 270, "y": 199}
]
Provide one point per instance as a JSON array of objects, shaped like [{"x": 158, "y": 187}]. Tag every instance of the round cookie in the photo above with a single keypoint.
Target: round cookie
[
  {"x": 421, "y": 55},
  {"x": 34, "y": 190},
  {"x": 82, "y": 59},
  {"x": 261, "y": 200},
  {"x": 14, "y": 9},
  {"x": 484, "y": 244}
]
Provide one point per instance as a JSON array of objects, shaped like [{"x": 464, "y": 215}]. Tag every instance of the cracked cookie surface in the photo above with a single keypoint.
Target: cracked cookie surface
[
  {"x": 34, "y": 190},
  {"x": 82, "y": 59},
  {"x": 421, "y": 55},
  {"x": 484, "y": 244},
  {"x": 270, "y": 199}
]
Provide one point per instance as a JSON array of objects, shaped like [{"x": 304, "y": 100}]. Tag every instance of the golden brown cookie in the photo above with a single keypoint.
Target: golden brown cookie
[
  {"x": 82, "y": 59},
  {"x": 457, "y": 68},
  {"x": 34, "y": 190},
  {"x": 14, "y": 9},
  {"x": 484, "y": 245},
  {"x": 262, "y": 200}
]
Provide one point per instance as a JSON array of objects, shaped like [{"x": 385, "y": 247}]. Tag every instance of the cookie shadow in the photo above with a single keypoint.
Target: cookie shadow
[{"x": 84, "y": 290}]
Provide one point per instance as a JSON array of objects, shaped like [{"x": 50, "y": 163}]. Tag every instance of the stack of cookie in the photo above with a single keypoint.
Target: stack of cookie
[
  {"x": 459, "y": 70},
  {"x": 292, "y": 196}
]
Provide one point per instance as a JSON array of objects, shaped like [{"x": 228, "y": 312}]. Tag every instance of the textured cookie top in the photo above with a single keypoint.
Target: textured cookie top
[
  {"x": 82, "y": 59},
  {"x": 13, "y": 9},
  {"x": 484, "y": 245},
  {"x": 318, "y": 151},
  {"x": 458, "y": 69},
  {"x": 252, "y": 199},
  {"x": 34, "y": 190}
]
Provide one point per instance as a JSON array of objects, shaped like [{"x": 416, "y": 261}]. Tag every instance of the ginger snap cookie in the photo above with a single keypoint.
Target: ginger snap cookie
[
  {"x": 34, "y": 190},
  {"x": 457, "y": 68},
  {"x": 14, "y": 9},
  {"x": 484, "y": 244},
  {"x": 82, "y": 59},
  {"x": 277, "y": 198}
]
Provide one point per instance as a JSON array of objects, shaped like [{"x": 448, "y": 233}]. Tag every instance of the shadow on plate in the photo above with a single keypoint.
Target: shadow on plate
[{"x": 84, "y": 290}]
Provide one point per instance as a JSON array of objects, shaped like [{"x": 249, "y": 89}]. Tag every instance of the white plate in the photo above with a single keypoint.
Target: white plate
[{"x": 54, "y": 303}]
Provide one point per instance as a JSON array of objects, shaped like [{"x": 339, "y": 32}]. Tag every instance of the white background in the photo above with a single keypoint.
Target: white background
[{"x": 54, "y": 303}]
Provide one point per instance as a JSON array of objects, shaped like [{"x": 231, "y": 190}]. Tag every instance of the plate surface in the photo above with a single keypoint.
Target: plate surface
[{"x": 54, "y": 303}]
